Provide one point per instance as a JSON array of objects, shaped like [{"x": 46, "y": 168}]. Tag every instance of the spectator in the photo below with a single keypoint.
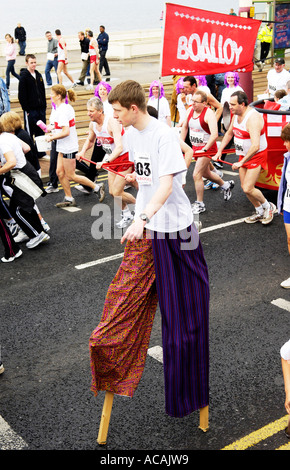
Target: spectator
[
  {"x": 85, "y": 44},
  {"x": 51, "y": 57},
  {"x": 158, "y": 100},
  {"x": 277, "y": 77},
  {"x": 10, "y": 52},
  {"x": 265, "y": 36},
  {"x": 103, "y": 42},
  {"x": 20, "y": 37},
  {"x": 31, "y": 95}
]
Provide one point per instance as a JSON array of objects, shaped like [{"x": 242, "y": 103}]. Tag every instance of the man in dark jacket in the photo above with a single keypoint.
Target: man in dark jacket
[
  {"x": 31, "y": 95},
  {"x": 103, "y": 42},
  {"x": 20, "y": 37},
  {"x": 85, "y": 44}
]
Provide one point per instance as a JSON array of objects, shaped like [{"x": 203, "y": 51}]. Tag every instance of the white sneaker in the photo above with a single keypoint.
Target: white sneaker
[
  {"x": 286, "y": 284},
  {"x": 21, "y": 237},
  {"x": 100, "y": 191},
  {"x": 198, "y": 207},
  {"x": 51, "y": 189},
  {"x": 42, "y": 237},
  {"x": 125, "y": 221},
  {"x": 89, "y": 87},
  {"x": 12, "y": 258},
  {"x": 13, "y": 227},
  {"x": 269, "y": 214},
  {"x": 79, "y": 187}
]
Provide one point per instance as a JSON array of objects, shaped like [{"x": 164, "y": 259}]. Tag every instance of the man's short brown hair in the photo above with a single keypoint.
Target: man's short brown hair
[
  {"x": 285, "y": 134},
  {"x": 127, "y": 93}
]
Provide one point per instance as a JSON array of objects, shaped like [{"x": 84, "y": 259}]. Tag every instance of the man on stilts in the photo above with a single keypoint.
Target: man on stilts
[{"x": 164, "y": 262}]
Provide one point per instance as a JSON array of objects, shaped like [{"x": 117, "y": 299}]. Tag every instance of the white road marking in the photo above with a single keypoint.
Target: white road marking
[
  {"x": 9, "y": 440},
  {"x": 281, "y": 303},
  {"x": 99, "y": 261},
  {"x": 219, "y": 226},
  {"x": 71, "y": 209},
  {"x": 156, "y": 352}
]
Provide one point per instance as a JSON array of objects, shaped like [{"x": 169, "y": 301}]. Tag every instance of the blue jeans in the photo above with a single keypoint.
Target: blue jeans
[
  {"x": 22, "y": 45},
  {"x": 49, "y": 65},
  {"x": 10, "y": 69}
]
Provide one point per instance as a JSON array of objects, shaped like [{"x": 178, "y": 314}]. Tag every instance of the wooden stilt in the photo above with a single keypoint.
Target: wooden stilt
[
  {"x": 105, "y": 419},
  {"x": 203, "y": 419}
]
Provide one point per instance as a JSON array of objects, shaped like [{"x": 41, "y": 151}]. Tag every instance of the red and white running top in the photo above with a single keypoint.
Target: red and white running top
[
  {"x": 242, "y": 139},
  {"x": 60, "y": 51},
  {"x": 199, "y": 132},
  {"x": 105, "y": 139}
]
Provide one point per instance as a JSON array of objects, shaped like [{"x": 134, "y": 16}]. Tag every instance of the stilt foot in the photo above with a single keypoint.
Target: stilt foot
[{"x": 203, "y": 419}]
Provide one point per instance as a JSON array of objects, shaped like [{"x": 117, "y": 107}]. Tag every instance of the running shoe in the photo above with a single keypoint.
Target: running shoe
[
  {"x": 228, "y": 192},
  {"x": 219, "y": 173},
  {"x": 12, "y": 258},
  {"x": 252, "y": 219},
  {"x": 125, "y": 221},
  {"x": 208, "y": 184},
  {"x": 33, "y": 242},
  {"x": 66, "y": 203},
  {"x": 51, "y": 189},
  {"x": 198, "y": 207},
  {"x": 1, "y": 368},
  {"x": 100, "y": 191},
  {"x": 21, "y": 237},
  {"x": 286, "y": 284},
  {"x": 269, "y": 214},
  {"x": 218, "y": 165},
  {"x": 82, "y": 189},
  {"x": 89, "y": 87},
  {"x": 215, "y": 186}
]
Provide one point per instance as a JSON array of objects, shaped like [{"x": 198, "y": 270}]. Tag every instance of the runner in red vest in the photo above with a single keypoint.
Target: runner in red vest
[
  {"x": 203, "y": 133},
  {"x": 248, "y": 129}
]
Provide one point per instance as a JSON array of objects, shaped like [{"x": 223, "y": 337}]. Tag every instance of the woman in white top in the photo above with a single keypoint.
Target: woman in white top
[
  {"x": 67, "y": 145},
  {"x": 158, "y": 101},
  {"x": 181, "y": 101},
  {"x": 232, "y": 80},
  {"x": 102, "y": 91}
]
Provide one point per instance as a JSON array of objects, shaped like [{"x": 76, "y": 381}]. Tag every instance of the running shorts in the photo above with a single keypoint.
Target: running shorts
[
  {"x": 286, "y": 216},
  {"x": 259, "y": 158},
  {"x": 69, "y": 156},
  {"x": 121, "y": 163}
]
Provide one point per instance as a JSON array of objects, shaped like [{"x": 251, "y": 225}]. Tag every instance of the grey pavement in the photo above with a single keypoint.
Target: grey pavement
[{"x": 142, "y": 69}]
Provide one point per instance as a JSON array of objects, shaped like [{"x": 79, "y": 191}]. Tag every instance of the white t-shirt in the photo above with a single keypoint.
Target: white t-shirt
[
  {"x": 8, "y": 143},
  {"x": 163, "y": 111},
  {"x": 64, "y": 116},
  {"x": 285, "y": 103},
  {"x": 277, "y": 81},
  {"x": 156, "y": 152},
  {"x": 227, "y": 93},
  {"x": 181, "y": 109},
  {"x": 108, "y": 108}
]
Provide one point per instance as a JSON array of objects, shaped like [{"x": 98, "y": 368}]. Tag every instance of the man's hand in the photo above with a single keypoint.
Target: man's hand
[{"x": 134, "y": 231}]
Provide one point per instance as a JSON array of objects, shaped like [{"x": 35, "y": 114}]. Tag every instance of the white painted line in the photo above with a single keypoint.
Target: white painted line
[
  {"x": 71, "y": 209},
  {"x": 281, "y": 303},
  {"x": 219, "y": 226},
  {"x": 9, "y": 440},
  {"x": 231, "y": 173},
  {"x": 99, "y": 261},
  {"x": 156, "y": 352}
]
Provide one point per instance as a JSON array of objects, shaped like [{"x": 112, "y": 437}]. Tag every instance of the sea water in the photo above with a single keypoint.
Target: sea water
[{"x": 71, "y": 16}]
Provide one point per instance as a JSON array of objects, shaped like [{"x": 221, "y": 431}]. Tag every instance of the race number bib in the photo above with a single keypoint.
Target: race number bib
[
  {"x": 239, "y": 146},
  {"x": 196, "y": 137},
  {"x": 143, "y": 168}
]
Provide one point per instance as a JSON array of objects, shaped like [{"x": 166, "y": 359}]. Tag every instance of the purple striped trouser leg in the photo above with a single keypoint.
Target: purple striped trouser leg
[{"x": 183, "y": 295}]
